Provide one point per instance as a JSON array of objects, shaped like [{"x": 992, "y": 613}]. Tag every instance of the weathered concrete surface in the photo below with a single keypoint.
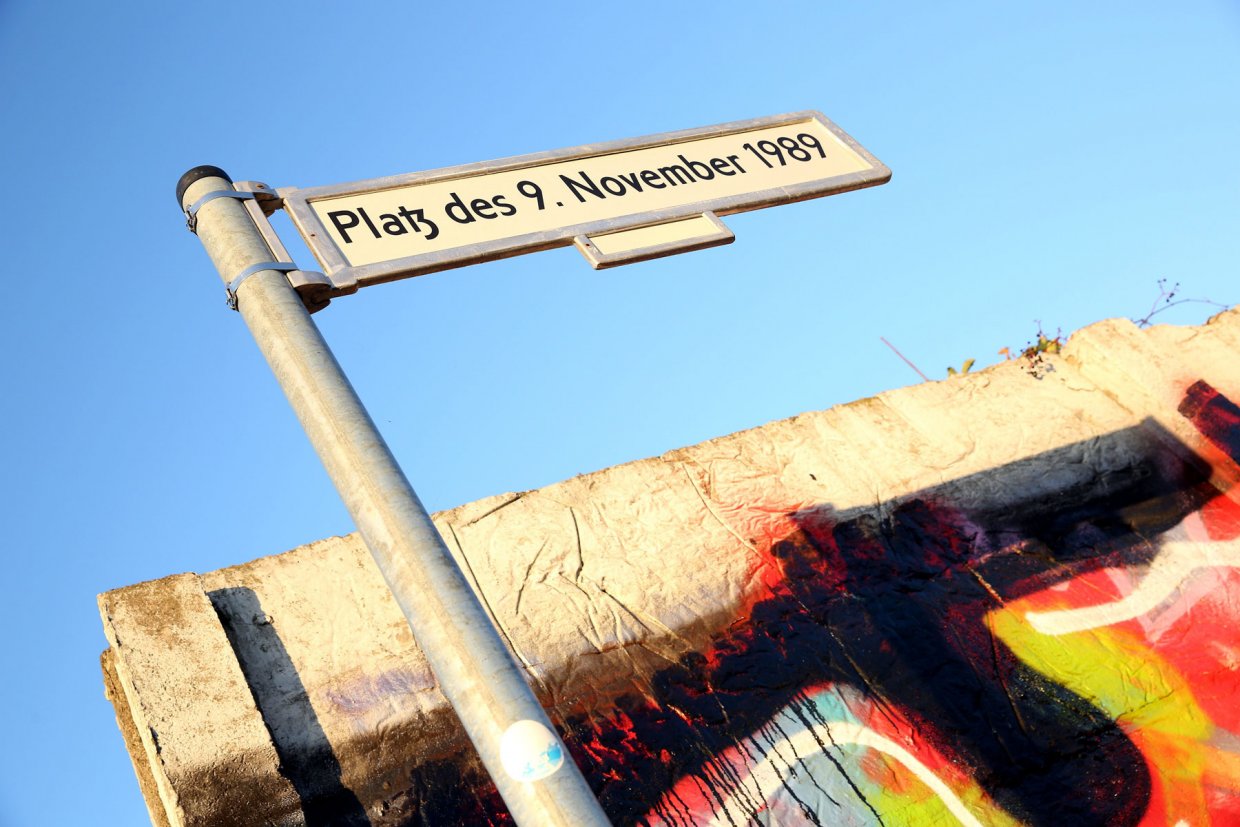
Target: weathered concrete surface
[
  {"x": 202, "y": 739},
  {"x": 288, "y": 690}
]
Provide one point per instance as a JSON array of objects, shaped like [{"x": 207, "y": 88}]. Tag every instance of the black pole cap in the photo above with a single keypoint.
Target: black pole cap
[{"x": 196, "y": 174}]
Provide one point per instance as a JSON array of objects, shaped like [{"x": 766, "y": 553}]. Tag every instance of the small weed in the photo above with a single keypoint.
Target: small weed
[
  {"x": 965, "y": 368},
  {"x": 1034, "y": 354}
]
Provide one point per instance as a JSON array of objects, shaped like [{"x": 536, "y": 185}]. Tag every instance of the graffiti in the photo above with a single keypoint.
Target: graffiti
[{"x": 1065, "y": 659}]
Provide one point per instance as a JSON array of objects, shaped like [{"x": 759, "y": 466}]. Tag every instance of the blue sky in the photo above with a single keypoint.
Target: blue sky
[{"x": 1051, "y": 161}]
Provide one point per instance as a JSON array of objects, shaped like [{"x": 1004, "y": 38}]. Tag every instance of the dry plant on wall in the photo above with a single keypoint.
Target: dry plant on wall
[
  {"x": 1167, "y": 300},
  {"x": 1035, "y": 350}
]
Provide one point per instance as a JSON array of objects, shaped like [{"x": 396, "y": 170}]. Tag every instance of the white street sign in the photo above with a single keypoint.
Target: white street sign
[{"x": 663, "y": 191}]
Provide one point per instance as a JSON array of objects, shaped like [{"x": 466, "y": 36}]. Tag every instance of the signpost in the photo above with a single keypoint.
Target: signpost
[{"x": 618, "y": 203}]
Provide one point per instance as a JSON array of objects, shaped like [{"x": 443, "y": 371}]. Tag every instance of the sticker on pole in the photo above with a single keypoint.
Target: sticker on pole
[
  {"x": 374, "y": 231},
  {"x": 530, "y": 751}
]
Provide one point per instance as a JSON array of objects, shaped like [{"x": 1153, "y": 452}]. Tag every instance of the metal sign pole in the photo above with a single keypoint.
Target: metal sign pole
[{"x": 529, "y": 764}]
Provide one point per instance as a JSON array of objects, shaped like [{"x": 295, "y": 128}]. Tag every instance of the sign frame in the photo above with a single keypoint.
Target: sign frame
[{"x": 348, "y": 278}]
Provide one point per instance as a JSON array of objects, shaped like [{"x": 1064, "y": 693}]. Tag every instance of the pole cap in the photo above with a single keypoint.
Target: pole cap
[{"x": 195, "y": 174}]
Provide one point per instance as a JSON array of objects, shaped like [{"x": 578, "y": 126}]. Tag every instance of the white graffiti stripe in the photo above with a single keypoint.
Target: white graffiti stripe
[
  {"x": 768, "y": 780},
  {"x": 1176, "y": 562}
]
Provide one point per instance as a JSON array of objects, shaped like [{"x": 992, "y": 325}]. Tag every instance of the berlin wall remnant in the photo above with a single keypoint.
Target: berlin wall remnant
[{"x": 997, "y": 599}]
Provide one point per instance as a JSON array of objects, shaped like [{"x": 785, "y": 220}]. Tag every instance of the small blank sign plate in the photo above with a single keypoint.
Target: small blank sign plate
[{"x": 644, "y": 243}]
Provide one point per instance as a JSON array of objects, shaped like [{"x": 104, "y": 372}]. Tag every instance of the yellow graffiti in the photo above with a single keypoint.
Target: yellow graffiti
[{"x": 1120, "y": 673}]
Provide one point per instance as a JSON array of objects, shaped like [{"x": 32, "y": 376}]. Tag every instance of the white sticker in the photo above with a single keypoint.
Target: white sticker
[{"x": 530, "y": 751}]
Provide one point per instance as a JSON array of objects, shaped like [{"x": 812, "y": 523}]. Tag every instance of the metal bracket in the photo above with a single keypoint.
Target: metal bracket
[
  {"x": 267, "y": 198},
  {"x": 191, "y": 212},
  {"x": 231, "y": 289},
  {"x": 316, "y": 289}
]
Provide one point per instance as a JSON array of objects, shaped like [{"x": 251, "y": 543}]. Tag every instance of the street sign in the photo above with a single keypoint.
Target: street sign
[{"x": 618, "y": 202}]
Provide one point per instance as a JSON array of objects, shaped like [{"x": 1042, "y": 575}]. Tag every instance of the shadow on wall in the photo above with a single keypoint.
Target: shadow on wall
[{"x": 306, "y": 756}]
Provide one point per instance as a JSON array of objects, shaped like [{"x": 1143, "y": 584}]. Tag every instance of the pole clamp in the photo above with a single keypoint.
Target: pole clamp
[
  {"x": 191, "y": 212},
  {"x": 281, "y": 266}
]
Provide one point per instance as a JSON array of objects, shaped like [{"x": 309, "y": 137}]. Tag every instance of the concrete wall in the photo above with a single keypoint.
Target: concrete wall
[{"x": 1005, "y": 598}]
